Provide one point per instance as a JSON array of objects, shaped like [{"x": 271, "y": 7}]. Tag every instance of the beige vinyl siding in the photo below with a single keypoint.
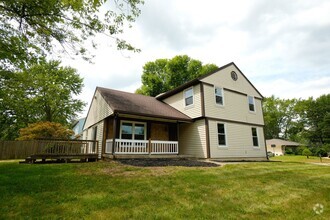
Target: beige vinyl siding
[
  {"x": 239, "y": 143},
  {"x": 98, "y": 111},
  {"x": 223, "y": 79},
  {"x": 177, "y": 101},
  {"x": 192, "y": 139},
  {"x": 235, "y": 107},
  {"x": 99, "y": 136}
]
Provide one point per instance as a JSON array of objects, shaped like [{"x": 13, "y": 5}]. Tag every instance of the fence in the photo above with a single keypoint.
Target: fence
[{"x": 23, "y": 149}]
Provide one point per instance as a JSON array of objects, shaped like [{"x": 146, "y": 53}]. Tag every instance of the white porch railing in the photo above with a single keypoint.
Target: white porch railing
[
  {"x": 164, "y": 147},
  {"x": 142, "y": 147}
]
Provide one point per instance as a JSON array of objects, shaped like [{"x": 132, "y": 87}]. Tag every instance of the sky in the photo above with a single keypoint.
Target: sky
[{"x": 281, "y": 46}]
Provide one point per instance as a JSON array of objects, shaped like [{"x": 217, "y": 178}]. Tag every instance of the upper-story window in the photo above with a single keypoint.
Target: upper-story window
[
  {"x": 189, "y": 97},
  {"x": 251, "y": 104},
  {"x": 218, "y": 95}
]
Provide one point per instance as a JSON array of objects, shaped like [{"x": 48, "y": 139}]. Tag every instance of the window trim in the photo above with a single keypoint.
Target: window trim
[
  {"x": 258, "y": 146},
  {"x": 225, "y": 128},
  {"x": 254, "y": 104},
  {"x": 184, "y": 97},
  {"x": 215, "y": 96},
  {"x": 133, "y": 129}
]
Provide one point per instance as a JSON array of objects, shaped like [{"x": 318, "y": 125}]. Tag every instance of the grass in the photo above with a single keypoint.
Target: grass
[
  {"x": 299, "y": 158},
  {"x": 108, "y": 190}
]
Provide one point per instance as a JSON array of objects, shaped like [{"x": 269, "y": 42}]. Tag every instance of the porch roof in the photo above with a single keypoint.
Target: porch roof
[{"x": 136, "y": 104}]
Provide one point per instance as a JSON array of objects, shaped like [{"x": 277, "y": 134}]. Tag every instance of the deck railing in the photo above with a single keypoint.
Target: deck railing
[
  {"x": 23, "y": 149},
  {"x": 141, "y": 147}
]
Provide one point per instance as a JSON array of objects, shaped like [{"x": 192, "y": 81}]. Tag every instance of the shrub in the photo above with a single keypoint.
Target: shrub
[
  {"x": 321, "y": 152},
  {"x": 306, "y": 152},
  {"x": 288, "y": 151},
  {"x": 300, "y": 150},
  {"x": 45, "y": 130}
]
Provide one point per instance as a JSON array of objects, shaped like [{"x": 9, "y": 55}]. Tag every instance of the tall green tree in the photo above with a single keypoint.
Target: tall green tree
[
  {"x": 31, "y": 28},
  {"x": 280, "y": 117},
  {"x": 318, "y": 120},
  {"x": 163, "y": 75},
  {"x": 44, "y": 92}
]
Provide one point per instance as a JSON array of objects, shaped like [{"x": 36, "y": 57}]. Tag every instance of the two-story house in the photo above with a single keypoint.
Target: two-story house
[{"x": 217, "y": 115}]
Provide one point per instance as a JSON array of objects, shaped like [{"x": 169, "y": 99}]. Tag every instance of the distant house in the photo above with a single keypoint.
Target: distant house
[
  {"x": 77, "y": 128},
  {"x": 217, "y": 115},
  {"x": 278, "y": 146}
]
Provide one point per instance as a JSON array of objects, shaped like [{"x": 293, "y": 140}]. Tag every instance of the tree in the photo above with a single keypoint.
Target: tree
[
  {"x": 163, "y": 75},
  {"x": 280, "y": 117},
  {"x": 45, "y": 130},
  {"x": 306, "y": 152},
  {"x": 318, "y": 120},
  {"x": 31, "y": 28},
  {"x": 43, "y": 92}
]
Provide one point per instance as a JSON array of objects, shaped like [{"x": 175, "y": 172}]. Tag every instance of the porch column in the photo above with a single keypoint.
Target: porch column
[{"x": 114, "y": 125}]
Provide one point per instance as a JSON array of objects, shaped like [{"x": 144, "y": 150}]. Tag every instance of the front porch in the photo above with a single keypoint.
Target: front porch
[
  {"x": 128, "y": 136},
  {"x": 142, "y": 147}
]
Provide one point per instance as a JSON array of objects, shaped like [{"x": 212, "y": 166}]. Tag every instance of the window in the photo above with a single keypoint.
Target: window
[
  {"x": 218, "y": 95},
  {"x": 255, "y": 137},
  {"x": 189, "y": 96},
  {"x": 221, "y": 135},
  {"x": 251, "y": 103},
  {"x": 139, "y": 132},
  {"x": 132, "y": 131}
]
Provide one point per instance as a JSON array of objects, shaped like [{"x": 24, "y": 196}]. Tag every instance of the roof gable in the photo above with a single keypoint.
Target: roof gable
[
  {"x": 98, "y": 110},
  {"x": 223, "y": 78},
  {"x": 209, "y": 77}
]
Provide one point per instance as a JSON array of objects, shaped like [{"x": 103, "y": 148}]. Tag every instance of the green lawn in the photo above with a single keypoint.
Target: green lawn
[
  {"x": 108, "y": 190},
  {"x": 299, "y": 158}
]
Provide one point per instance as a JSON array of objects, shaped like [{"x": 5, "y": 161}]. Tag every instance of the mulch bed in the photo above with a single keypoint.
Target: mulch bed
[{"x": 166, "y": 162}]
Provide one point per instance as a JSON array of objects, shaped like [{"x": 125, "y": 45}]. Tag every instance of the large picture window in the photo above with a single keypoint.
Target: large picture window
[
  {"x": 221, "y": 135},
  {"x": 251, "y": 103},
  {"x": 218, "y": 95},
  {"x": 133, "y": 131},
  {"x": 189, "y": 97},
  {"x": 255, "y": 137}
]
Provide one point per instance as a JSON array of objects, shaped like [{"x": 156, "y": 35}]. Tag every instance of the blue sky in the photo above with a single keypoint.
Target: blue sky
[{"x": 282, "y": 46}]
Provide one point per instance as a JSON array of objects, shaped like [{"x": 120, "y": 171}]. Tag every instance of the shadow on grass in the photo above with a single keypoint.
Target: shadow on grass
[{"x": 166, "y": 162}]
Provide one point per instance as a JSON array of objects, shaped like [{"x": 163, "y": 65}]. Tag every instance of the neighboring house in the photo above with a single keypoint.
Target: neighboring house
[
  {"x": 217, "y": 115},
  {"x": 77, "y": 128},
  {"x": 278, "y": 146}
]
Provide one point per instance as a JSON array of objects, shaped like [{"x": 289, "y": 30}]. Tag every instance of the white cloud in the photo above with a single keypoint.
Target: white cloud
[{"x": 282, "y": 46}]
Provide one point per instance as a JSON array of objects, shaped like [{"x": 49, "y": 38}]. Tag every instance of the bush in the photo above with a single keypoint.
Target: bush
[
  {"x": 307, "y": 152},
  {"x": 321, "y": 152},
  {"x": 45, "y": 130},
  {"x": 300, "y": 150},
  {"x": 288, "y": 151}
]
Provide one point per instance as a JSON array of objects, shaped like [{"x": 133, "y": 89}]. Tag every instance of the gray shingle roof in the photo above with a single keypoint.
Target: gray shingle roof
[
  {"x": 136, "y": 104},
  {"x": 280, "y": 142}
]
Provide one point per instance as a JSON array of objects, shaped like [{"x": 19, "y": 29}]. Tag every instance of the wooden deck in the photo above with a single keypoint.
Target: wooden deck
[
  {"x": 63, "y": 150},
  {"x": 61, "y": 157}
]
